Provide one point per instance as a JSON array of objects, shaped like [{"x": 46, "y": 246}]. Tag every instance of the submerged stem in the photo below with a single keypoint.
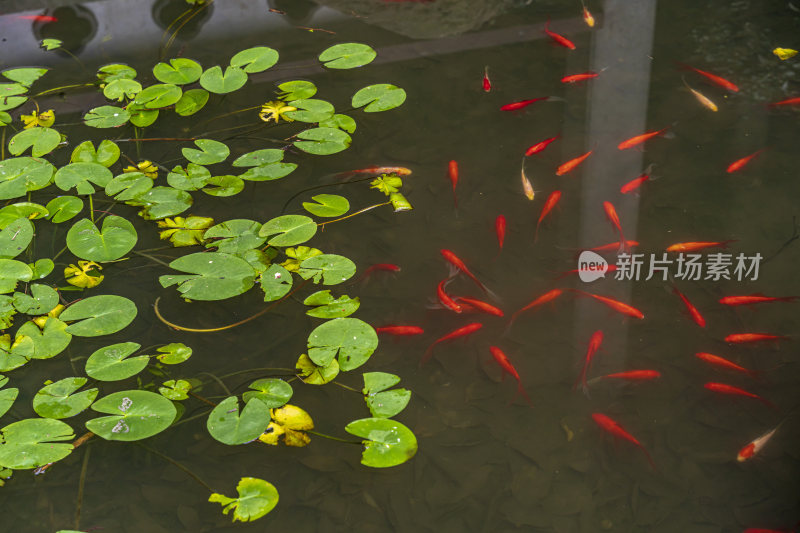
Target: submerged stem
[
  {"x": 354, "y": 214},
  {"x": 81, "y": 484},
  {"x": 331, "y": 437},
  {"x": 219, "y": 381},
  {"x": 177, "y": 464},
  {"x": 342, "y": 385}
]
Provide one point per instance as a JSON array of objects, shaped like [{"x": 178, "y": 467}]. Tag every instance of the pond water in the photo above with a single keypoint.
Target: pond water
[{"x": 487, "y": 460}]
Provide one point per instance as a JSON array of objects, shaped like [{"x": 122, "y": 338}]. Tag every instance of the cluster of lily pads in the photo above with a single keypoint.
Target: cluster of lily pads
[{"x": 54, "y": 191}]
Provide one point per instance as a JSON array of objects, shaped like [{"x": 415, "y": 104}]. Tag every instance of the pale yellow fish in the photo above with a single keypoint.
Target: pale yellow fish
[
  {"x": 704, "y": 100},
  {"x": 526, "y": 185},
  {"x": 784, "y": 53},
  {"x": 755, "y": 446}
]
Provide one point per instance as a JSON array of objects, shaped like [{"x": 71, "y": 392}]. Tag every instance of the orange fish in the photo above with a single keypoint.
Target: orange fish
[
  {"x": 639, "y": 139},
  {"x": 37, "y": 18},
  {"x": 378, "y": 267},
  {"x": 572, "y": 163},
  {"x": 538, "y": 147},
  {"x": 693, "y": 312},
  {"x": 755, "y": 446},
  {"x": 448, "y": 302},
  {"x": 722, "y": 82},
  {"x": 558, "y": 39},
  {"x": 755, "y": 299},
  {"x": 479, "y": 306},
  {"x": 459, "y": 264},
  {"x": 694, "y": 246},
  {"x": 634, "y": 184},
  {"x": 400, "y": 171},
  {"x": 723, "y": 388},
  {"x": 400, "y": 330},
  {"x": 514, "y": 106},
  {"x": 500, "y": 229},
  {"x": 508, "y": 368},
  {"x": 551, "y": 202},
  {"x": 452, "y": 172},
  {"x": 635, "y": 375},
  {"x": 460, "y": 332},
  {"x": 594, "y": 345},
  {"x": 789, "y": 101},
  {"x": 724, "y": 363},
  {"x": 617, "y": 306},
  {"x": 549, "y": 296},
  {"x": 704, "y": 100},
  {"x": 487, "y": 85},
  {"x": 615, "y": 246},
  {"x": 609, "y": 425},
  {"x": 611, "y": 214},
  {"x": 740, "y": 163},
  {"x": 739, "y": 338},
  {"x": 574, "y": 78},
  {"x": 588, "y": 18}
]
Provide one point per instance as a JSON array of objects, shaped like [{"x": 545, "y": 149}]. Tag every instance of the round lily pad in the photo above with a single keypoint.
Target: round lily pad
[
  {"x": 15, "y": 238},
  {"x": 117, "y": 238},
  {"x": 212, "y": 276},
  {"x": 63, "y": 208},
  {"x": 256, "y": 59},
  {"x": 80, "y": 176},
  {"x": 48, "y": 341},
  {"x": 351, "y": 339},
  {"x": 20, "y": 175},
  {"x": 112, "y": 363},
  {"x": 215, "y": 81},
  {"x": 179, "y": 71},
  {"x": 135, "y": 415},
  {"x": 107, "y": 116},
  {"x": 387, "y": 442},
  {"x": 40, "y": 140},
  {"x": 327, "y": 205},
  {"x": 60, "y": 399},
  {"x": 323, "y": 141},
  {"x": 288, "y": 230},
  {"x": 273, "y": 392},
  {"x": 34, "y": 442},
  {"x": 330, "y": 269},
  {"x": 225, "y": 424},
  {"x": 347, "y": 55},
  {"x": 99, "y": 315},
  {"x": 379, "y": 97},
  {"x": 256, "y": 498}
]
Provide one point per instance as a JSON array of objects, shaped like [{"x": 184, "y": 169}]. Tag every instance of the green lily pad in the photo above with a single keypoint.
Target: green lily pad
[
  {"x": 5, "y": 119},
  {"x": 8, "y": 90},
  {"x": 323, "y": 141},
  {"x": 106, "y": 116},
  {"x": 142, "y": 116},
  {"x": 12, "y": 272},
  {"x": 41, "y": 268},
  {"x": 112, "y": 363},
  {"x": 387, "y": 442},
  {"x": 40, "y": 140},
  {"x": 60, "y": 400},
  {"x": 20, "y": 175},
  {"x": 63, "y": 208},
  {"x": 289, "y": 230},
  {"x": 213, "y": 79},
  {"x": 351, "y": 339},
  {"x": 257, "y": 158},
  {"x": 311, "y": 110},
  {"x": 51, "y": 44},
  {"x": 268, "y": 172},
  {"x": 15, "y": 238},
  {"x": 213, "y": 276},
  {"x": 175, "y": 390},
  {"x": 13, "y": 356},
  {"x": 273, "y": 392},
  {"x": 223, "y": 186},
  {"x": 11, "y": 102},
  {"x": 328, "y": 205},
  {"x": 115, "y": 71},
  {"x": 347, "y": 55},
  {"x": 41, "y": 301},
  {"x": 34, "y": 442},
  {"x": 116, "y": 238},
  {"x": 234, "y": 236},
  {"x": 162, "y": 202},
  {"x": 326, "y": 306},
  {"x": 26, "y": 75},
  {"x": 191, "y": 102},
  {"x": 194, "y": 177},
  {"x": 173, "y": 353},
  {"x": 179, "y": 71},
  {"x": 276, "y": 282},
  {"x": 256, "y": 59},
  {"x": 297, "y": 90},
  {"x": 256, "y": 498},
  {"x": 342, "y": 122},
  {"x": 330, "y": 269},
  {"x": 120, "y": 89},
  {"x": 47, "y": 342},
  {"x": 128, "y": 186},
  {"x": 378, "y": 381},
  {"x": 107, "y": 153},
  {"x": 80, "y": 176},
  {"x": 135, "y": 415},
  {"x": 99, "y": 315},
  {"x": 225, "y": 424},
  {"x": 383, "y": 403},
  {"x": 7, "y": 311},
  {"x": 158, "y": 96},
  {"x": 313, "y": 374},
  {"x": 210, "y": 152},
  {"x": 7, "y": 396},
  {"x": 379, "y": 97}
]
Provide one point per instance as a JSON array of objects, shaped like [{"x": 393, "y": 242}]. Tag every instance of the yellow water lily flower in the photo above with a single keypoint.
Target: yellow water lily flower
[
  {"x": 275, "y": 111},
  {"x": 44, "y": 119},
  {"x": 784, "y": 53},
  {"x": 86, "y": 275},
  {"x": 146, "y": 167}
]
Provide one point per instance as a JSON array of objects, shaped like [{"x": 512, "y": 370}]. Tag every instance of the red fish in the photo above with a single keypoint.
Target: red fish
[
  {"x": 724, "y": 363},
  {"x": 615, "y": 246},
  {"x": 789, "y": 101},
  {"x": 487, "y": 85},
  {"x": 400, "y": 330},
  {"x": 572, "y": 163},
  {"x": 755, "y": 446},
  {"x": 459, "y": 264},
  {"x": 594, "y": 345},
  {"x": 574, "y": 78},
  {"x": 400, "y": 171},
  {"x": 378, "y": 267},
  {"x": 609, "y": 425},
  {"x": 538, "y": 147},
  {"x": 549, "y": 296},
  {"x": 508, "y": 368},
  {"x": 693, "y": 312},
  {"x": 514, "y": 106},
  {"x": 452, "y": 172},
  {"x": 588, "y": 18},
  {"x": 722, "y": 82},
  {"x": 460, "y": 332},
  {"x": 739, "y": 338},
  {"x": 723, "y": 388},
  {"x": 639, "y": 139},
  {"x": 751, "y": 299},
  {"x": 617, "y": 306},
  {"x": 444, "y": 298},
  {"x": 558, "y": 39},
  {"x": 479, "y": 305},
  {"x": 37, "y": 18},
  {"x": 500, "y": 229},
  {"x": 694, "y": 246},
  {"x": 634, "y": 184},
  {"x": 611, "y": 213},
  {"x": 634, "y": 375},
  {"x": 740, "y": 163},
  {"x": 551, "y": 202}
]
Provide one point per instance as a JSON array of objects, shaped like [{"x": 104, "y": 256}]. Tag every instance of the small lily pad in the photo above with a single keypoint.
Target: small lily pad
[
  {"x": 63, "y": 208},
  {"x": 347, "y": 55},
  {"x": 209, "y": 152},
  {"x": 351, "y": 340},
  {"x": 215, "y": 81},
  {"x": 226, "y": 426},
  {"x": 117, "y": 238},
  {"x": 80, "y": 176},
  {"x": 326, "y": 306},
  {"x": 107, "y": 153},
  {"x": 273, "y": 392},
  {"x": 179, "y": 71},
  {"x": 60, "y": 399},
  {"x": 99, "y": 315},
  {"x": 15, "y": 238},
  {"x": 158, "y": 96},
  {"x": 112, "y": 363},
  {"x": 256, "y": 498},
  {"x": 173, "y": 353},
  {"x": 276, "y": 282},
  {"x": 330, "y": 269},
  {"x": 310, "y": 110},
  {"x": 323, "y": 141},
  {"x": 191, "y": 102},
  {"x": 47, "y": 341},
  {"x": 40, "y": 140},
  {"x": 297, "y": 90},
  {"x": 106, "y": 116},
  {"x": 212, "y": 276},
  {"x": 288, "y": 230},
  {"x": 256, "y": 59},
  {"x": 313, "y": 374},
  {"x": 20, "y": 175},
  {"x": 234, "y": 236},
  {"x": 41, "y": 301},
  {"x": 379, "y": 97},
  {"x": 387, "y": 442},
  {"x": 135, "y": 415},
  {"x": 327, "y": 205}
]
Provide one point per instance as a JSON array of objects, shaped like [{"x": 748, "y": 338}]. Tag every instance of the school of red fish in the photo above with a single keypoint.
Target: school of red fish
[{"x": 464, "y": 304}]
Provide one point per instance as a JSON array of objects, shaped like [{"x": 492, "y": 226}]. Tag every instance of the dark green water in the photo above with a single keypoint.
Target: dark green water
[{"x": 484, "y": 465}]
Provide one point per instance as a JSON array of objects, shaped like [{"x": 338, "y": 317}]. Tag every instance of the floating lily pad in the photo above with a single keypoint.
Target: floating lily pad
[
  {"x": 310, "y": 110},
  {"x": 297, "y": 90},
  {"x": 60, "y": 399},
  {"x": 313, "y": 374},
  {"x": 387, "y": 442},
  {"x": 256, "y": 59},
  {"x": 40, "y": 140},
  {"x": 351, "y": 340},
  {"x": 48, "y": 341},
  {"x": 112, "y": 363},
  {"x": 25, "y": 75},
  {"x": 256, "y": 498},
  {"x": 379, "y": 97},
  {"x": 383, "y": 403},
  {"x": 347, "y": 55},
  {"x": 142, "y": 116},
  {"x": 158, "y": 96},
  {"x": 330, "y": 269},
  {"x": 342, "y": 122},
  {"x": 135, "y": 415},
  {"x": 115, "y": 71},
  {"x": 288, "y": 230},
  {"x": 15, "y": 238},
  {"x": 213, "y": 276},
  {"x": 11, "y": 102},
  {"x": 273, "y": 392},
  {"x": 291, "y": 424},
  {"x": 326, "y": 306},
  {"x": 99, "y": 315},
  {"x": 257, "y": 158},
  {"x": 116, "y": 238},
  {"x": 12, "y": 272},
  {"x": 41, "y": 268},
  {"x": 173, "y": 353},
  {"x": 81, "y": 175},
  {"x": 223, "y": 186},
  {"x": 19, "y": 175},
  {"x": 51, "y": 44},
  {"x": 34, "y": 442},
  {"x": 209, "y": 152},
  {"x": 234, "y": 236},
  {"x": 175, "y": 390},
  {"x": 191, "y": 102},
  {"x": 268, "y": 172},
  {"x": 15, "y": 355},
  {"x": 128, "y": 186},
  {"x": 106, "y": 116},
  {"x": 29, "y": 210},
  {"x": 7, "y": 396},
  {"x": 107, "y": 153},
  {"x": 225, "y": 424},
  {"x": 323, "y": 141},
  {"x": 63, "y": 208},
  {"x": 179, "y": 71},
  {"x": 213, "y": 79},
  {"x": 120, "y": 89},
  {"x": 41, "y": 301},
  {"x": 193, "y": 178},
  {"x": 276, "y": 282},
  {"x": 162, "y": 202},
  {"x": 327, "y": 205}
]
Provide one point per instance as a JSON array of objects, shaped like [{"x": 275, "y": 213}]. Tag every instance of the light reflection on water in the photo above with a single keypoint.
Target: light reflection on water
[{"x": 484, "y": 465}]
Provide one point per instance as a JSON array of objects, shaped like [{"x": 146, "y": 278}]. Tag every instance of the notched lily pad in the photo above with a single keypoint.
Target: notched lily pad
[
  {"x": 61, "y": 400},
  {"x": 330, "y": 269},
  {"x": 256, "y": 498},
  {"x": 112, "y": 363},
  {"x": 116, "y": 238},
  {"x": 273, "y": 392},
  {"x": 99, "y": 315},
  {"x": 34, "y": 442},
  {"x": 326, "y": 306},
  {"x": 225, "y": 424},
  {"x": 347, "y": 55},
  {"x": 327, "y": 205},
  {"x": 288, "y": 230},
  {"x": 351, "y": 340},
  {"x": 387, "y": 442},
  {"x": 212, "y": 276},
  {"x": 134, "y": 415}
]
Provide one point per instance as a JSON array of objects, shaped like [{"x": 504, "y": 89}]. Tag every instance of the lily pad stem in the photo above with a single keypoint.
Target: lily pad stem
[
  {"x": 354, "y": 214},
  {"x": 332, "y": 437},
  {"x": 204, "y": 400},
  {"x": 81, "y": 484},
  {"x": 342, "y": 385},
  {"x": 219, "y": 382},
  {"x": 177, "y": 464}
]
